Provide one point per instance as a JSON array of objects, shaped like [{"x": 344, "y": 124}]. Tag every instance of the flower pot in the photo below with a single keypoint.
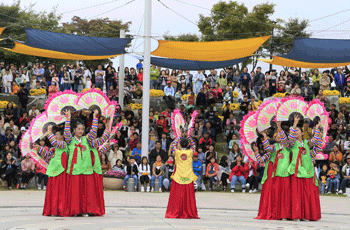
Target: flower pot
[{"x": 113, "y": 183}]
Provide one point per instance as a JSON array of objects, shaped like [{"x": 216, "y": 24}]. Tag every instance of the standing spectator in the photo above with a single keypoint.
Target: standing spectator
[
  {"x": 259, "y": 79},
  {"x": 340, "y": 80},
  {"x": 157, "y": 173},
  {"x": 238, "y": 173},
  {"x": 221, "y": 80},
  {"x": 325, "y": 81},
  {"x": 162, "y": 80},
  {"x": 307, "y": 92},
  {"x": 40, "y": 72},
  {"x": 53, "y": 88},
  {"x": 109, "y": 78},
  {"x": 272, "y": 82},
  {"x": 198, "y": 81},
  {"x": 346, "y": 175},
  {"x": 131, "y": 171},
  {"x": 7, "y": 80},
  {"x": 245, "y": 77},
  {"x": 316, "y": 82},
  {"x": 139, "y": 65},
  {"x": 23, "y": 96},
  {"x": 140, "y": 75},
  {"x": 169, "y": 95},
  {"x": 224, "y": 171},
  {"x": 144, "y": 170},
  {"x": 9, "y": 112},
  {"x": 99, "y": 77},
  {"x": 244, "y": 105},
  {"x": 154, "y": 77},
  {"x": 27, "y": 171},
  {"x": 212, "y": 171},
  {"x": 197, "y": 169},
  {"x": 136, "y": 153}
]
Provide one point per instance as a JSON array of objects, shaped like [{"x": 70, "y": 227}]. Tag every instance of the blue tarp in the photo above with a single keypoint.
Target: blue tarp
[
  {"x": 193, "y": 65},
  {"x": 75, "y": 44},
  {"x": 320, "y": 50}
]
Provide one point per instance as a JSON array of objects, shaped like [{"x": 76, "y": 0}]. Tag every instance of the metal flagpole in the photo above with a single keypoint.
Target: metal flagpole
[
  {"x": 121, "y": 75},
  {"x": 146, "y": 77}
]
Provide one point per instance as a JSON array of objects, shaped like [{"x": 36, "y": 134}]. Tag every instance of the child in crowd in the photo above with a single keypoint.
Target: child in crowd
[
  {"x": 178, "y": 96},
  {"x": 323, "y": 178},
  {"x": 212, "y": 171},
  {"x": 118, "y": 167},
  {"x": 252, "y": 167},
  {"x": 333, "y": 178},
  {"x": 131, "y": 171},
  {"x": 145, "y": 172}
]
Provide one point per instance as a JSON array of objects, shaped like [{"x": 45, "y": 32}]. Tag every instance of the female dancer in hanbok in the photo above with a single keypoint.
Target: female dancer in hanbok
[
  {"x": 85, "y": 186},
  {"x": 55, "y": 198},
  {"x": 182, "y": 199},
  {"x": 305, "y": 198}
]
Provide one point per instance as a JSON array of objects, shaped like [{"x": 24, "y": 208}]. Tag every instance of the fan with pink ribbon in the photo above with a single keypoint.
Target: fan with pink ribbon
[
  {"x": 58, "y": 103},
  {"x": 316, "y": 108},
  {"x": 94, "y": 99},
  {"x": 178, "y": 122},
  {"x": 247, "y": 150},
  {"x": 289, "y": 106},
  {"x": 267, "y": 111},
  {"x": 249, "y": 126},
  {"x": 38, "y": 127},
  {"x": 192, "y": 121}
]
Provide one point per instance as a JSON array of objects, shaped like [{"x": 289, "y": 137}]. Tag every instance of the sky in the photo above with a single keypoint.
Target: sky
[{"x": 166, "y": 21}]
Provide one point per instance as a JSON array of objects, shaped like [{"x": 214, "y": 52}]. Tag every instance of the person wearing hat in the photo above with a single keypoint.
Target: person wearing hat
[
  {"x": 197, "y": 169},
  {"x": 307, "y": 91},
  {"x": 345, "y": 172}
]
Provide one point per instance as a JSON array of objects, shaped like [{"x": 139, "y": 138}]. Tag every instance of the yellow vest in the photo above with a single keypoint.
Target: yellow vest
[{"x": 184, "y": 167}]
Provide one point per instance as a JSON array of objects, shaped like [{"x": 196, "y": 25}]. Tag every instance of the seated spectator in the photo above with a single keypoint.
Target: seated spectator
[
  {"x": 161, "y": 126},
  {"x": 238, "y": 173},
  {"x": 115, "y": 154},
  {"x": 345, "y": 172},
  {"x": 13, "y": 127},
  {"x": 234, "y": 152},
  {"x": 347, "y": 88},
  {"x": 9, "y": 136},
  {"x": 169, "y": 92},
  {"x": 33, "y": 83},
  {"x": 157, "y": 173},
  {"x": 33, "y": 112},
  {"x": 8, "y": 170},
  {"x": 336, "y": 156},
  {"x": 212, "y": 171},
  {"x": 24, "y": 120},
  {"x": 136, "y": 153},
  {"x": 28, "y": 167},
  {"x": 333, "y": 178},
  {"x": 296, "y": 90},
  {"x": 252, "y": 167},
  {"x": 244, "y": 105},
  {"x": 44, "y": 84},
  {"x": 197, "y": 169},
  {"x": 201, "y": 98},
  {"x": 323, "y": 178},
  {"x": 137, "y": 91},
  {"x": 165, "y": 142},
  {"x": 234, "y": 140},
  {"x": 53, "y": 89},
  {"x": 157, "y": 151},
  {"x": 105, "y": 164},
  {"x": 169, "y": 168},
  {"x": 205, "y": 141},
  {"x": 118, "y": 167},
  {"x": 133, "y": 141},
  {"x": 41, "y": 173},
  {"x": 145, "y": 172},
  {"x": 113, "y": 93},
  {"x": 131, "y": 171},
  {"x": 14, "y": 88},
  {"x": 224, "y": 171}
]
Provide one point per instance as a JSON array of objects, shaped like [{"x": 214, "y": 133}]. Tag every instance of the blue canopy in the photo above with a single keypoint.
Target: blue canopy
[
  {"x": 194, "y": 65},
  {"x": 75, "y": 44},
  {"x": 320, "y": 50}
]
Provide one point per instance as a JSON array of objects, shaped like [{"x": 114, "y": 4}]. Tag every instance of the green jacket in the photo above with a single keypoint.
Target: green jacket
[
  {"x": 282, "y": 164},
  {"x": 272, "y": 159},
  {"x": 55, "y": 167},
  {"x": 83, "y": 165},
  {"x": 154, "y": 74},
  {"x": 306, "y": 167}
]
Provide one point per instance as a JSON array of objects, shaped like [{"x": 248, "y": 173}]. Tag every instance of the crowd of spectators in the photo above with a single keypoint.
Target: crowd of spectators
[{"x": 205, "y": 90}]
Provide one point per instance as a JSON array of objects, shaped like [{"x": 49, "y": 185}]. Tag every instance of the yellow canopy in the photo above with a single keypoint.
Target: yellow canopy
[
  {"x": 209, "y": 51},
  {"x": 2, "y": 29},
  {"x": 24, "y": 49},
  {"x": 292, "y": 63}
]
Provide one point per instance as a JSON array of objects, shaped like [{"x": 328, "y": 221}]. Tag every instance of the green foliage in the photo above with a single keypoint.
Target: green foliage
[
  {"x": 233, "y": 20},
  {"x": 182, "y": 37}
]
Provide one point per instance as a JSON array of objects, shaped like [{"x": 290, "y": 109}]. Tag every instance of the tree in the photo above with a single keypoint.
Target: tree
[
  {"x": 233, "y": 20},
  {"x": 182, "y": 37},
  {"x": 100, "y": 27},
  {"x": 14, "y": 18}
]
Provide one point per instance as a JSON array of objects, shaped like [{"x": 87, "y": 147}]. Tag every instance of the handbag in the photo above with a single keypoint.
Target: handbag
[{"x": 333, "y": 84}]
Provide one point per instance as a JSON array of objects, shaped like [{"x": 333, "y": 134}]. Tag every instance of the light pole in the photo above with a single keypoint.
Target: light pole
[
  {"x": 121, "y": 75},
  {"x": 146, "y": 77},
  {"x": 271, "y": 43}
]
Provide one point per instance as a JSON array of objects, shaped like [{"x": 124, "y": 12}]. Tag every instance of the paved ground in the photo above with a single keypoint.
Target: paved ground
[{"x": 22, "y": 210}]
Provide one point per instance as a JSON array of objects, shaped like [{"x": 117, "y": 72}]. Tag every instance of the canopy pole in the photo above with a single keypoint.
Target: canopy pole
[
  {"x": 146, "y": 77},
  {"x": 121, "y": 75}
]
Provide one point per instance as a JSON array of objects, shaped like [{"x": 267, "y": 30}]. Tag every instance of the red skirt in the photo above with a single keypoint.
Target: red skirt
[
  {"x": 182, "y": 202},
  {"x": 305, "y": 199},
  {"x": 85, "y": 195},
  {"x": 55, "y": 197},
  {"x": 282, "y": 198},
  {"x": 266, "y": 206}
]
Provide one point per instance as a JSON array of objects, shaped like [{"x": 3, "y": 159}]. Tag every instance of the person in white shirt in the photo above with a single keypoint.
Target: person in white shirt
[
  {"x": 198, "y": 81},
  {"x": 7, "y": 80},
  {"x": 87, "y": 73}
]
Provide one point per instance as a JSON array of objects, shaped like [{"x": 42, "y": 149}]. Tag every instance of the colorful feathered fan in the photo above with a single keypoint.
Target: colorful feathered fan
[
  {"x": 24, "y": 144},
  {"x": 316, "y": 108},
  {"x": 192, "y": 121},
  {"x": 290, "y": 106},
  {"x": 58, "y": 103},
  {"x": 267, "y": 111},
  {"x": 38, "y": 127},
  {"x": 247, "y": 150},
  {"x": 178, "y": 122},
  {"x": 93, "y": 99},
  {"x": 249, "y": 127}
]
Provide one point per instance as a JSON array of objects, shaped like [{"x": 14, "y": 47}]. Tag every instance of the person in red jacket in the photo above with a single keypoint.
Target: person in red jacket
[
  {"x": 239, "y": 173},
  {"x": 212, "y": 171},
  {"x": 251, "y": 168}
]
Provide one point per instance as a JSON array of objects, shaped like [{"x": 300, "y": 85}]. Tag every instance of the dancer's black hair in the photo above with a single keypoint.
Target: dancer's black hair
[
  {"x": 184, "y": 142},
  {"x": 291, "y": 119}
]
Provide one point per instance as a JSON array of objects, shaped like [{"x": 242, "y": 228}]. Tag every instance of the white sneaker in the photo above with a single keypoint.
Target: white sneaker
[
  {"x": 152, "y": 190},
  {"x": 340, "y": 192},
  {"x": 243, "y": 190},
  {"x": 250, "y": 191},
  {"x": 232, "y": 190},
  {"x": 148, "y": 189},
  {"x": 135, "y": 188},
  {"x": 255, "y": 191},
  {"x": 247, "y": 185},
  {"x": 160, "y": 190},
  {"x": 142, "y": 188},
  {"x": 39, "y": 187},
  {"x": 44, "y": 188},
  {"x": 329, "y": 192}
]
